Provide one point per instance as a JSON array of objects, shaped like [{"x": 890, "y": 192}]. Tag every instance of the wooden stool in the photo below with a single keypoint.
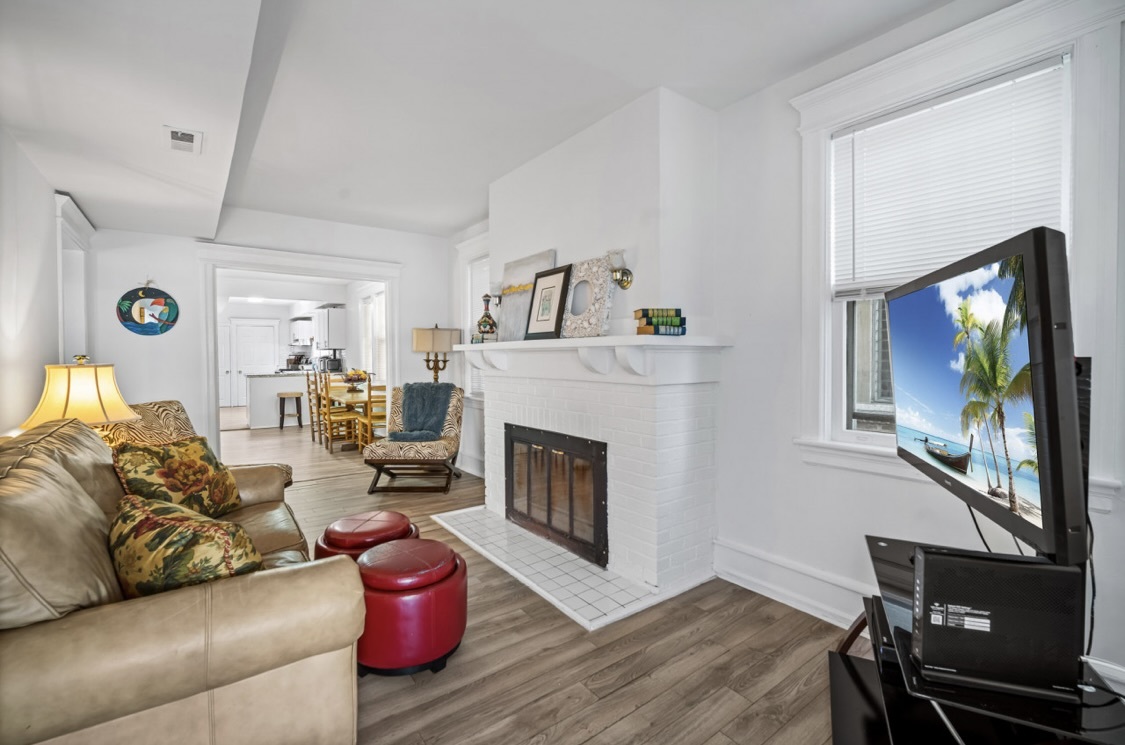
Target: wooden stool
[{"x": 281, "y": 398}]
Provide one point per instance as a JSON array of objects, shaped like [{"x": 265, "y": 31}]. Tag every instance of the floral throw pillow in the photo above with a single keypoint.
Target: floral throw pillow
[
  {"x": 185, "y": 472},
  {"x": 158, "y": 546}
]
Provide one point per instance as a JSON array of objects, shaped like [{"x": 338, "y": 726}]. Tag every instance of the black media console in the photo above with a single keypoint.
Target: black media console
[{"x": 886, "y": 700}]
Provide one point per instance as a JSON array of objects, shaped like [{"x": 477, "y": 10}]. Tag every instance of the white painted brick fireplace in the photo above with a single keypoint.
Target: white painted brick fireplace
[{"x": 653, "y": 401}]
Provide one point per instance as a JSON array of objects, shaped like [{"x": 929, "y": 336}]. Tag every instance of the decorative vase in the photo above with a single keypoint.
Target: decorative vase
[{"x": 486, "y": 324}]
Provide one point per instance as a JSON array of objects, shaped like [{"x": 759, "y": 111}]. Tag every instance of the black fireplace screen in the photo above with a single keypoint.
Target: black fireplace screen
[{"x": 555, "y": 486}]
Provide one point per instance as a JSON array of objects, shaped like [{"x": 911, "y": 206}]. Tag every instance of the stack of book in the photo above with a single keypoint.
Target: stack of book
[{"x": 660, "y": 321}]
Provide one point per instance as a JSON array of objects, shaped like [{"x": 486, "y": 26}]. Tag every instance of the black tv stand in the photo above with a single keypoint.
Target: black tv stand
[{"x": 886, "y": 701}]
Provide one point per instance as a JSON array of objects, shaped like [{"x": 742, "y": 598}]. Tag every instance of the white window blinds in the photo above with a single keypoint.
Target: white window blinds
[
  {"x": 478, "y": 287},
  {"x": 917, "y": 189}
]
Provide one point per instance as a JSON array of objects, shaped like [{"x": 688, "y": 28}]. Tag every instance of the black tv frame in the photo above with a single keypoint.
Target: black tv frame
[{"x": 1063, "y": 537}]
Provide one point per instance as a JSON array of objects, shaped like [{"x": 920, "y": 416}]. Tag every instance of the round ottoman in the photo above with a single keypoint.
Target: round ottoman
[
  {"x": 416, "y": 593},
  {"x": 352, "y": 535}
]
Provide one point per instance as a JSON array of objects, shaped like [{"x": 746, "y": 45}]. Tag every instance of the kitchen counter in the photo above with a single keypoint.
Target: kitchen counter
[
  {"x": 262, "y": 401},
  {"x": 285, "y": 374}
]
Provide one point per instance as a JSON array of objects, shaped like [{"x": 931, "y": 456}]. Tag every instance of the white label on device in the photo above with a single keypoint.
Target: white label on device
[{"x": 966, "y": 617}]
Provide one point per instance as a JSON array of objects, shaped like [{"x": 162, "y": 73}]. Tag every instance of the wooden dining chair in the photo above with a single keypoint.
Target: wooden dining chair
[
  {"x": 340, "y": 423},
  {"x": 312, "y": 384},
  {"x": 372, "y": 413}
]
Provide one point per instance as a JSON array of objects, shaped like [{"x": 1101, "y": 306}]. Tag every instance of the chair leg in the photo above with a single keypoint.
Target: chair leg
[{"x": 375, "y": 481}]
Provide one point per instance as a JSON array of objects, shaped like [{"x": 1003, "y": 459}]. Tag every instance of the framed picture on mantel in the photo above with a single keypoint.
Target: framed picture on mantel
[{"x": 548, "y": 300}]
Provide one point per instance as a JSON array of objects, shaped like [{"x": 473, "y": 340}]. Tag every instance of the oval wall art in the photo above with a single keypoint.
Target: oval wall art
[{"x": 147, "y": 311}]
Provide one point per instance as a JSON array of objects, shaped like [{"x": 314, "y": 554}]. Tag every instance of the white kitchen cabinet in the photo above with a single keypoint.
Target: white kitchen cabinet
[
  {"x": 331, "y": 330},
  {"x": 301, "y": 331}
]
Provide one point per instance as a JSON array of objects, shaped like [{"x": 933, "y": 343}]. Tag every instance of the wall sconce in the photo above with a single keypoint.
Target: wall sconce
[
  {"x": 618, "y": 272},
  {"x": 496, "y": 291},
  {"x": 85, "y": 392},
  {"x": 434, "y": 341}
]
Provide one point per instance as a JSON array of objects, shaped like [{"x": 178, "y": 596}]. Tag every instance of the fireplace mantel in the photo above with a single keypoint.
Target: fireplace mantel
[{"x": 640, "y": 360}]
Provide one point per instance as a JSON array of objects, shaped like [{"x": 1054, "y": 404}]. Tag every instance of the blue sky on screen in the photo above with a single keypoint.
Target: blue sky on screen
[{"x": 927, "y": 368}]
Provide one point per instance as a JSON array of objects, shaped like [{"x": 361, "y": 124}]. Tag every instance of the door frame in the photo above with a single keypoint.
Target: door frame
[{"x": 215, "y": 256}]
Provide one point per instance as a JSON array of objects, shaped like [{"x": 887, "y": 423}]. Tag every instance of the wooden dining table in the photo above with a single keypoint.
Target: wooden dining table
[{"x": 341, "y": 395}]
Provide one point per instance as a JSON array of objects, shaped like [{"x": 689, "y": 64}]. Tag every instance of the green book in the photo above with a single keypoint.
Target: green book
[
  {"x": 662, "y": 321},
  {"x": 656, "y": 312}
]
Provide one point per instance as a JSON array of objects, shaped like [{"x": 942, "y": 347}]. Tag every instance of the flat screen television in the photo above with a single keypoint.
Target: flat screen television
[{"x": 982, "y": 364}]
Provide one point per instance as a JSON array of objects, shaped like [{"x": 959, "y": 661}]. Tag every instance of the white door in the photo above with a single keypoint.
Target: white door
[
  {"x": 255, "y": 353},
  {"x": 225, "y": 377}
]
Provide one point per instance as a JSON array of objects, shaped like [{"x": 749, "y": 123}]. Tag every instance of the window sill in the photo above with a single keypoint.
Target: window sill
[
  {"x": 881, "y": 461},
  {"x": 848, "y": 456}
]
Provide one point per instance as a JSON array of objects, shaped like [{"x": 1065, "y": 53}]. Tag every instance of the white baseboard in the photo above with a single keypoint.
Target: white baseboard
[
  {"x": 471, "y": 464},
  {"x": 1113, "y": 674},
  {"x": 830, "y": 597}
]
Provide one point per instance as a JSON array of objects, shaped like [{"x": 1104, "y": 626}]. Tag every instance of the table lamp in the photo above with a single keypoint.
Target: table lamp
[
  {"x": 434, "y": 341},
  {"x": 80, "y": 391}
]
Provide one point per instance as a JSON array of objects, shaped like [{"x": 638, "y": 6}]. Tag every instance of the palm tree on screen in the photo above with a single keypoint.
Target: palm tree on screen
[
  {"x": 1016, "y": 310},
  {"x": 989, "y": 377},
  {"x": 1031, "y": 464},
  {"x": 975, "y": 412}
]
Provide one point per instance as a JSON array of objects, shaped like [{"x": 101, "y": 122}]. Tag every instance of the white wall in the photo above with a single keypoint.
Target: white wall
[
  {"x": 172, "y": 365},
  {"x": 641, "y": 180},
  {"x": 29, "y": 283},
  {"x": 793, "y": 529}
]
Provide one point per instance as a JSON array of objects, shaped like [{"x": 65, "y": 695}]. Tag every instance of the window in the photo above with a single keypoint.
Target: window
[
  {"x": 373, "y": 334},
  {"x": 476, "y": 287},
  {"x": 919, "y": 188}
]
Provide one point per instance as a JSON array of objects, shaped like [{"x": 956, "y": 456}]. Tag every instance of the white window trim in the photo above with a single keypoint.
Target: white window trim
[
  {"x": 1091, "y": 31},
  {"x": 468, "y": 251}
]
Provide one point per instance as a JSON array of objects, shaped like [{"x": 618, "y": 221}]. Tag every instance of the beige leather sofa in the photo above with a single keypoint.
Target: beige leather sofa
[{"x": 267, "y": 657}]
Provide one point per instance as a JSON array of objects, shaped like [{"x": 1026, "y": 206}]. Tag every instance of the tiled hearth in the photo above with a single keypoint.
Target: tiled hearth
[
  {"x": 653, "y": 402},
  {"x": 590, "y": 595}
]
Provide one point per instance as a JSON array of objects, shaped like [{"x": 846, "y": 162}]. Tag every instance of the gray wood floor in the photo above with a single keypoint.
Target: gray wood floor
[{"x": 716, "y": 665}]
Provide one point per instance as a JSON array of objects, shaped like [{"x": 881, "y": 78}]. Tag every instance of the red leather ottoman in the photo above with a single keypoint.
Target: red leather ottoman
[
  {"x": 352, "y": 535},
  {"x": 416, "y": 593}
]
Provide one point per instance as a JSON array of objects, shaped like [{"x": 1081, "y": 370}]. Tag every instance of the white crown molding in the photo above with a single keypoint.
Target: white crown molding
[
  {"x": 73, "y": 222},
  {"x": 289, "y": 262},
  {"x": 1016, "y": 34}
]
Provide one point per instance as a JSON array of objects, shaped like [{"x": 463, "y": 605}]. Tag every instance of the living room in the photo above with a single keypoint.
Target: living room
[{"x": 713, "y": 193}]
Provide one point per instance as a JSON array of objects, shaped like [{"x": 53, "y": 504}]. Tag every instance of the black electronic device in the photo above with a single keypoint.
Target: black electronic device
[
  {"x": 982, "y": 360},
  {"x": 1005, "y": 623}
]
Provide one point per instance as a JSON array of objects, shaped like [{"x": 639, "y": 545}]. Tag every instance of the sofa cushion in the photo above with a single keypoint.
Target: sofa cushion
[
  {"x": 158, "y": 546},
  {"x": 53, "y": 557},
  {"x": 77, "y": 448},
  {"x": 271, "y": 526},
  {"x": 185, "y": 472}
]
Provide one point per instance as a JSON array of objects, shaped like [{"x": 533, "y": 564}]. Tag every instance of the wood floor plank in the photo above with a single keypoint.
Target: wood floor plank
[
  {"x": 717, "y": 657},
  {"x": 770, "y": 713},
  {"x": 596, "y": 718},
  {"x": 703, "y": 720}
]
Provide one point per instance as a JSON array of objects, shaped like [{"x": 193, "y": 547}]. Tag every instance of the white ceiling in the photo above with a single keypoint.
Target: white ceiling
[
  {"x": 87, "y": 87},
  {"x": 386, "y": 113}
]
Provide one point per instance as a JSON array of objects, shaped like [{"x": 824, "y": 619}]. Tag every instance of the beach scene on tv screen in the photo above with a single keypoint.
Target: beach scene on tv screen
[{"x": 962, "y": 383}]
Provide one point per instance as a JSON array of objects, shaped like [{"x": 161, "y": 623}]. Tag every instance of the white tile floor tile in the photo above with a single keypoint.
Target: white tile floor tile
[{"x": 588, "y": 594}]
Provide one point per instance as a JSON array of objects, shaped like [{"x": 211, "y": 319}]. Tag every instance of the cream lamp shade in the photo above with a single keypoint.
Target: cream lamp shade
[
  {"x": 436, "y": 340},
  {"x": 85, "y": 392}
]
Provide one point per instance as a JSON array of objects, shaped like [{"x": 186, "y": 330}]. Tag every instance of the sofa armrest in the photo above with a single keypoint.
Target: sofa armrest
[
  {"x": 101, "y": 663},
  {"x": 262, "y": 482}
]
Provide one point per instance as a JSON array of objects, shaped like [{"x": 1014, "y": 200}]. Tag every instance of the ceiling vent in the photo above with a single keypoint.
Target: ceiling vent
[{"x": 184, "y": 140}]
